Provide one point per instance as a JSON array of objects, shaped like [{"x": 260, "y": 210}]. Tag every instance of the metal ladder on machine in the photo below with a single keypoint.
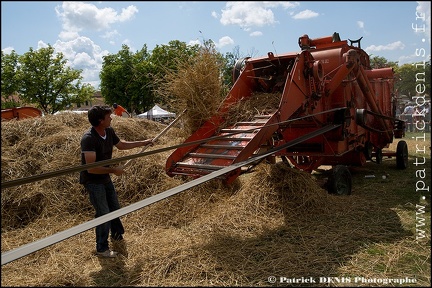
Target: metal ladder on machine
[{"x": 230, "y": 145}]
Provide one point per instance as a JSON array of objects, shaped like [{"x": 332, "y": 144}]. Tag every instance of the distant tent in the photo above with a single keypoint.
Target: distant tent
[{"x": 157, "y": 114}]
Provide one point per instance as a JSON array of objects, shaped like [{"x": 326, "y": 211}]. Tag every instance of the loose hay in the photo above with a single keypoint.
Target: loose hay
[
  {"x": 211, "y": 208},
  {"x": 28, "y": 149},
  {"x": 272, "y": 221},
  {"x": 256, "y": 104},
  {"x": 196, "y": 86}
]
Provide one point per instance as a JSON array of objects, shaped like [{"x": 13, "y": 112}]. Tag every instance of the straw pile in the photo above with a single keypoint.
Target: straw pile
[
  {"x": 51, "y": 143},
  {"x": 196, "y": 86},
  {"x": 257, "y": 104},
  {"x": 273, "y": 221}
]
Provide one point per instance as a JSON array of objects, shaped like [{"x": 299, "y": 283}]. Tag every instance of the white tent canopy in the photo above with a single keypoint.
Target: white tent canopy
[{"x": 157, "y": 113}]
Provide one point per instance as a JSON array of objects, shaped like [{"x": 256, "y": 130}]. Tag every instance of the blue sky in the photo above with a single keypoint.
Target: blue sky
[{"x": 86, "y": 31}]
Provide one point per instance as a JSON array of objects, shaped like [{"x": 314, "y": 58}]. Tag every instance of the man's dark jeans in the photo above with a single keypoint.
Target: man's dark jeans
[{"x": 104, "y": 199}]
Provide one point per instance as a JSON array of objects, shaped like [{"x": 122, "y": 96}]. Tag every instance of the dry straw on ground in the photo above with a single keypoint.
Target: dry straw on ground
[
  {"x": 160, "y": 235},
  {"x": 271, "y": 221},
  {"x": 39, "y": 145}
]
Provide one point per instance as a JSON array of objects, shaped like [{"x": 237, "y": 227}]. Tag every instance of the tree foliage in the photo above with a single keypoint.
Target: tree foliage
[
  {"x": 377, "y": 62},
  {"x": 9, "y": 81},
  {"x": 44, "y": 79},
  {"x": 409, "y": 76},
  {"x": 166, "y": 59},
  {"x": 131, "y": 79},
  {"x": 124, "y": 77}
]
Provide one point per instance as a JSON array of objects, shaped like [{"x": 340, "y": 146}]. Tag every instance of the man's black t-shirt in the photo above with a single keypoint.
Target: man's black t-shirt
[{"x": 92, "y": 141}]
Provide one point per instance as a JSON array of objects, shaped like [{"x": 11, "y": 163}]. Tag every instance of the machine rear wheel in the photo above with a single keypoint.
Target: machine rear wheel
[
  {"x": 378, "y": 156},
  {"x": 402, "y": 155},
  {"x": 238, "y": 68},
  {"x": 305, "y": 163},
  {"x": 368, "y": 150},
  {"x": 339, "y": 182}
]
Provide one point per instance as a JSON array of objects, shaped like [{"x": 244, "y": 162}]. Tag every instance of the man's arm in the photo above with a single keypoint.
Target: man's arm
[
  {"x": 90, "y": 157},
  {"x": 125, "y": 145}
]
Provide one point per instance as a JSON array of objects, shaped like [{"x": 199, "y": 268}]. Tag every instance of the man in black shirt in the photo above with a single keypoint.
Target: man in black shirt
[{"x": 97, "y": 145}]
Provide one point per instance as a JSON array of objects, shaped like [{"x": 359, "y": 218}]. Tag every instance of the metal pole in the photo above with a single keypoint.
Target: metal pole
[{"x": 158, "y": 136}]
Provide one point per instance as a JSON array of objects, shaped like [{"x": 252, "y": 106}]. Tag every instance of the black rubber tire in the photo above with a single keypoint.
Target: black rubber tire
[
  {"x": 340, "y": 182},
  {"x": 402, "y": 155},
  {"x": 378, "y": 156},
  {"x": 360, "y": 117},
  {"x": 238, "y": 68},
  {"x": 368, "y": 150}
]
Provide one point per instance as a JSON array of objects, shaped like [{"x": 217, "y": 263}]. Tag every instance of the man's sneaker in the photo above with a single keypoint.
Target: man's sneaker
[
  {"x": 107, "y": 253},
  {"x": 117, "y": 237}
]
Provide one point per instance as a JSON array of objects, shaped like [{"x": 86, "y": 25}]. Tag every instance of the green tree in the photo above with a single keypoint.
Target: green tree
[
  {"x": 132, "y": 79},
  {"x": 124, "y": 77},
  {"x": 231, "y": 59},
  {"x": 9, "y": 79},
  {"x": 43, "y": 79},
  {"x": 407, "y": 75},
  {"x": 166, "y": 59},
  {"x": 377, "y": 62}
]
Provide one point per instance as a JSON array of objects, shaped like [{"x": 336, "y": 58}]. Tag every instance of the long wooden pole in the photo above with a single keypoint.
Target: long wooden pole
[{"x": 158, "y": 136}]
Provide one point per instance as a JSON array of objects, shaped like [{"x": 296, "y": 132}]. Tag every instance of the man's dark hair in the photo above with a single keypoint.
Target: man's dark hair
[{"x": 97, "y": 113}]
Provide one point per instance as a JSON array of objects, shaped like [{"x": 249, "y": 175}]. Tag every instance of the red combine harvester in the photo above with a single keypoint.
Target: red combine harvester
[
  {"x": 334, "y": 110},
  {"x": 19, "y": 113}
]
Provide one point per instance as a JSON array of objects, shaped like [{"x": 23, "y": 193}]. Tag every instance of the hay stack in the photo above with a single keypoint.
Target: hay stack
[
  {"x": 245, "y": 110},
  {"x": 210, "y": 234},
  {"x": 39, "y": 145},
  {"x": 196, "y": 86}
]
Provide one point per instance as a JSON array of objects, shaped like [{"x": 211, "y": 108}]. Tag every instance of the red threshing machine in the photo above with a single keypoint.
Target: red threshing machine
[
  {"x": 19, "y": 113},
  {"x": 334, "y": 110}
]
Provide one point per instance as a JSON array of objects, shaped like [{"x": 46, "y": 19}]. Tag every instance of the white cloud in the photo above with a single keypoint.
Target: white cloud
[
  {"x": 305, "y": 14},
  {"x": 214, "y": 14},
  {"x": 129, "y": 44},
  {"x": 194, "y": 42},
  {"x": 110, "y": 34},
  {"x": 361, "y": 26},
  {"x": 249, "y": 14},
  {"x": 424, "y": 9},
  {"x": 41, "y": 44},
  {"x": 8, "y": 50},
  {"x": 284, "y": 4},
  {"x": 256, "y": 33},
  {"x": 398, "y": 45},
  {"x": 224, "y": 41},
  {"x": 407, "y": 59},
  {"x": 83, "y": 59},
  {"x": 246, "y": 14},
  {"x": 82, "y": 53},
  {"x": 79, "y": 16},
  {"x": 127, "y": 13},
  {"x": 68, "y": 35}
]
